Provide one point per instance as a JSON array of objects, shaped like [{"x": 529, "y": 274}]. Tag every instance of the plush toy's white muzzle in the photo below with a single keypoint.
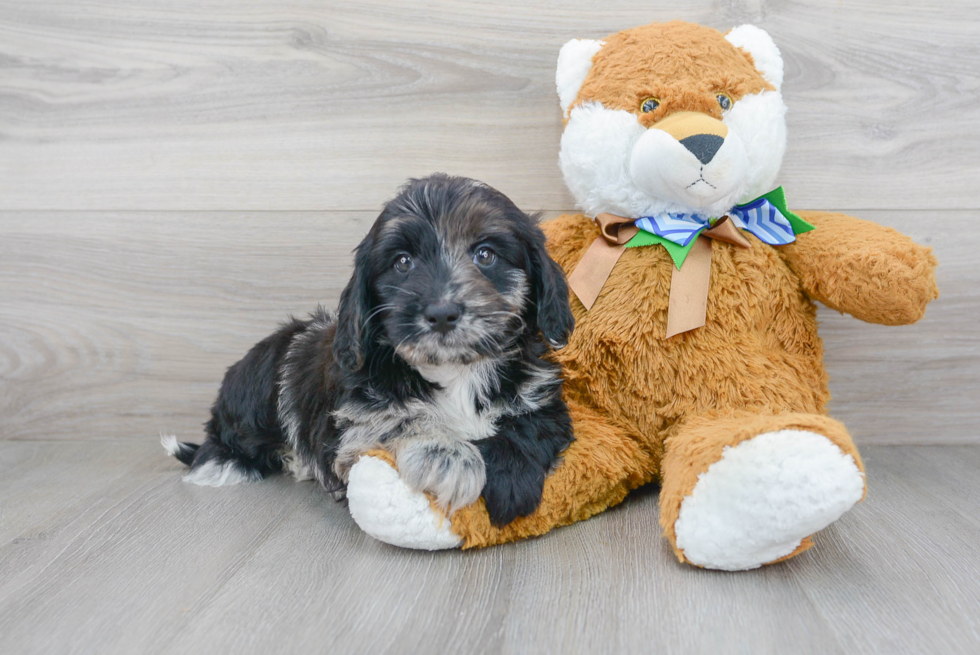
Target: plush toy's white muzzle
[{"x": 697, "y": 171}]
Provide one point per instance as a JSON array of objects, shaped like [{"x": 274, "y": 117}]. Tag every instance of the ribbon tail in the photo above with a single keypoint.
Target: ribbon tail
[
  {"x": 688, "y": 304},
  {"x": 594, "y": 269},
  {"x": 725, "y": 230}
]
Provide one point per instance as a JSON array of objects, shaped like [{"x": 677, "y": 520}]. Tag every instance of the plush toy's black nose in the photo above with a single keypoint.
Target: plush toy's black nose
[
  {"x": 442, "y": 317},
  {"x": 703, "y": 146}
]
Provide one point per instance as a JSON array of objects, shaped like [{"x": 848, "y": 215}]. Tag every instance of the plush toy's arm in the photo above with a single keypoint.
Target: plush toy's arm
[
  {"x": 602, "y": 464},
  {"x": 869, "y": 271}
]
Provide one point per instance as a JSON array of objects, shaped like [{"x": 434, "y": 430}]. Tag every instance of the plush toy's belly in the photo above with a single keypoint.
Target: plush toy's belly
[{"x": 758, "y": 348}]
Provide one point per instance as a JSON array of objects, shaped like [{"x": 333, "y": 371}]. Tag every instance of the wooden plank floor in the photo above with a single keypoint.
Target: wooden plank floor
[{"x": 104, "y": 550}]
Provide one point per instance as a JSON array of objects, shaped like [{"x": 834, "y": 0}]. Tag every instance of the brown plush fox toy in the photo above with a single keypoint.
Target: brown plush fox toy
[{"x": 695, "y": 359}]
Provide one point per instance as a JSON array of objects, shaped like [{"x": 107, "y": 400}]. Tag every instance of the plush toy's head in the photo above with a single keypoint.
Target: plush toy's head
[{"x": 671, "y": 117}]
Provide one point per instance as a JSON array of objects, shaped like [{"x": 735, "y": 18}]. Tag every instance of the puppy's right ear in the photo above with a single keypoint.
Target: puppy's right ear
[
  {"x": 553, "y": 314},
  {"x": 353, "y": 333}
]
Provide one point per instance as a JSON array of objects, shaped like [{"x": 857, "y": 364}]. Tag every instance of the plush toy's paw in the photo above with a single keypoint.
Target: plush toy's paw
[
  {"x": 389, "y": 510},
  {"x": 763, "y": 497}
]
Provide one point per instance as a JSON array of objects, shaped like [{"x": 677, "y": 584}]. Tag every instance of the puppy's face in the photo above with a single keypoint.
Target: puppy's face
[
  {"x": 451, "y": 272},
  {"x": 450, "y": 287}
]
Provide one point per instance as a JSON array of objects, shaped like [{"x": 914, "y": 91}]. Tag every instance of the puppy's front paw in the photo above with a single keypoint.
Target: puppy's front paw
[
  {"x": 509, "y": 498},
  {"x": 452, "y": 471},
  {"x": 514, "y": 483}
]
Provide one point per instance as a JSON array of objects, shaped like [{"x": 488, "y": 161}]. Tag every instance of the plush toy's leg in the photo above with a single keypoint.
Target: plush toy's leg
[
  {"x": 743, "y": 490},
  {"x": 387, "y": 509},
  {"x": 597, "y": 471}
]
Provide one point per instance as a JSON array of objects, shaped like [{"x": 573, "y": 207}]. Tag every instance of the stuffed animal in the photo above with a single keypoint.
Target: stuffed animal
[{"x": 695, "y": 359}]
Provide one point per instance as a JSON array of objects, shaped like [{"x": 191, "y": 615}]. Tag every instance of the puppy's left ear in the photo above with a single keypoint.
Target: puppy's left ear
[
  {"x": 554, "y": 316},
  {"x": 351, "y": 340}
]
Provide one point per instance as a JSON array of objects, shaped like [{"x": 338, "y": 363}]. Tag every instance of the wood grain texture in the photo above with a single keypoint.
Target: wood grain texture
[
  {"x": 144, "y": 563},
  {"x": 306, "y": 104},
  {"x": 120, "y": 325},
  {"x": 117, "y": 324}
]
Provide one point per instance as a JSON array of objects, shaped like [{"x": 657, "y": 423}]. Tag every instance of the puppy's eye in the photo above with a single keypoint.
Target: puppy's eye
[
  {"x": 403, "y": 262},
  {"x": 724, "y": 101},
  {"x": 648, "y": 105},
  {"x": 484, "y": 256}
]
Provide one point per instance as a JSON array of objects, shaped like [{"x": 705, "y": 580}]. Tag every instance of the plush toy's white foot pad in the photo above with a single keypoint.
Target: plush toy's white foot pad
[
  {"x": 387, "y": 509},
  {"x": 758, "y": 502}
]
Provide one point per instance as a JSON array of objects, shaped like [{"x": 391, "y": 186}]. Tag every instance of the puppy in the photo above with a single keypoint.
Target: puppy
[{"x": 436, "y": 354}]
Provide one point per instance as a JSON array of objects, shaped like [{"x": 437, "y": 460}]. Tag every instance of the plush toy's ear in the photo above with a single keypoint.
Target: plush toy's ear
[
  {"x": 574, "y": 62},
  {"x": 765, "y": 54}
]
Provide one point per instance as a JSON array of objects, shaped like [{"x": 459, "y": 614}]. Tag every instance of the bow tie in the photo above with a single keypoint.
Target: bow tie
[{"x": 686, "y": 238}]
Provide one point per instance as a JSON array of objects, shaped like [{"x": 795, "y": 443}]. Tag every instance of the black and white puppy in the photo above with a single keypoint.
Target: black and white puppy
[{"x": 436, "y": 354}]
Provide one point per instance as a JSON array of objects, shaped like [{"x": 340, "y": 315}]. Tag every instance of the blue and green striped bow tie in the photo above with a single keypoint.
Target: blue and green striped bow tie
[
  {"x": 759, "y": 217},
  {"x": 766, "y": 217}
]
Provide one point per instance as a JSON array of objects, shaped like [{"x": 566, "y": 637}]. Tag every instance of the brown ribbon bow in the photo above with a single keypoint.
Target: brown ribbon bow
[{"x": 688, "y": 301}]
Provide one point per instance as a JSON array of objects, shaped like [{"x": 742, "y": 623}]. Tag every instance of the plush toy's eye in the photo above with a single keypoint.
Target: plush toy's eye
[
  {"x": 724, "y": 101},
  {"x": 484, "y": 256},
  {"x": 648, "y": 105},
  {"x": 403, "y": 262}
]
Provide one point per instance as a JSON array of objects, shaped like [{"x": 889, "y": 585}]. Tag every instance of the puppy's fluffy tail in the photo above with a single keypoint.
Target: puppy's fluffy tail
[
  {"x": 214, "y": 464},
  {"x": 184, "y": 452}
]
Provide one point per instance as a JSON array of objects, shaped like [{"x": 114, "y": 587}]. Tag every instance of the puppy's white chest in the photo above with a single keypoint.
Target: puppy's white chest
[{"x": 454, "y": 406}]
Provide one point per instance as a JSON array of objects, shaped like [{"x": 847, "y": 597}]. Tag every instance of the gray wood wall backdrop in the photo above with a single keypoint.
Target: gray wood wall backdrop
[{"x": 176, "y": 176}]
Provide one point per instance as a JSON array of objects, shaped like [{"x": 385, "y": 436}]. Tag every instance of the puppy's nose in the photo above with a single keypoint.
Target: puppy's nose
[
  {"x": 703, "y": 146},
  {"x": 442, "y": 317}
]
